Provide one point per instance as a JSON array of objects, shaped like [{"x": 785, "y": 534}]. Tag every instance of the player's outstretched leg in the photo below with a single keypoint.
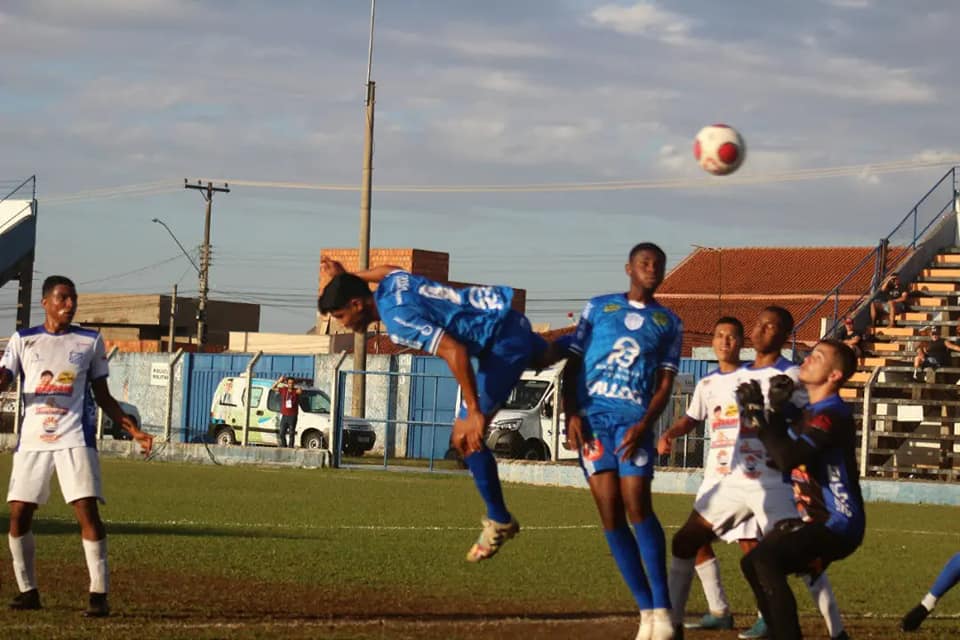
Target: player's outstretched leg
[
  {"x": 822, "y": 593},
  {"x": 949, "y": 576},
  {"x": 718, "y": 616},
  {"x": 498, "y": 526}
]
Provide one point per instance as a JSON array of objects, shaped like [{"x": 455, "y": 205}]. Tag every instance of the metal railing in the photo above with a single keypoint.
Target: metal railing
[{"x": 890, "y": 252}]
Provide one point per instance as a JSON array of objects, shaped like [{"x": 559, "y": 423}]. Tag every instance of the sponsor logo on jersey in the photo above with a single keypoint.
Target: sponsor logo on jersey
[
  {"x": 660, "y": 319},
  {"x": 440, "y": 292},
  {"x": 485, "y": 298},
  {"x": 841, "y": 499},
  {"x": 610, "y": 308},
  {"x": 76, "y": 357},
  {"x": 731, "y": 411},
  {"x": 423, "y": 329},
  {"x": 613, "y": 390},
  {"x": 633, "y": 321},
  {"x": 66, "y": 377}
]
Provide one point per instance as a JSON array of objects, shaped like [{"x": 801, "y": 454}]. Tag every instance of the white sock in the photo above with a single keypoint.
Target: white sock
[
  {"x": 823, "y": 597},
  {"x": 24, "y": 551},
  {"x": 96, "y": 554},
  {"x": 717, "y": 602},
  {"x": 929, "y": 601},
  {"x": 681, "y": 576}
]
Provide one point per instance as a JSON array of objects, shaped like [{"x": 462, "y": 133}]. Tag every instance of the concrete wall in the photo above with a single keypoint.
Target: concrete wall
[{"x": 130, "y": 381}]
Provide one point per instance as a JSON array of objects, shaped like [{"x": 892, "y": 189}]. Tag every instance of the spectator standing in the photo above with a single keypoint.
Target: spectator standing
[{"x": 289, "y": 410}]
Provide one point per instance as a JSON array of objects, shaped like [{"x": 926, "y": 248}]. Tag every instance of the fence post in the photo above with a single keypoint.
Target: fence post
[
  {"x": 110, "y": 355},
  {"x": 433, "y": 416},
  {"x": 336, "y": 402},
  {"x": 249, "y": 372},
  {"x": 555, "y": 417},
  {"x": 168, "y": 416}
]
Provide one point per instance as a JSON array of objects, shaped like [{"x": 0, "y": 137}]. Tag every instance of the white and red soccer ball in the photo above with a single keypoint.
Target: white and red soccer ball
[{"x": 719, "y": 149}]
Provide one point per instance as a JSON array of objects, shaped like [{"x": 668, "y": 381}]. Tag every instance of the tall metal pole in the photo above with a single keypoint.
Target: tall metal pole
[
  {"x": 207, "y": 193},
  {"x": 360, "y": 339},
  {"x": 172, "y": 333}
]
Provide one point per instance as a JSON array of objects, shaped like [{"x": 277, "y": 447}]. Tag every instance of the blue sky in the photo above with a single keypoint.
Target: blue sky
[{"x": 98, "y": 95}]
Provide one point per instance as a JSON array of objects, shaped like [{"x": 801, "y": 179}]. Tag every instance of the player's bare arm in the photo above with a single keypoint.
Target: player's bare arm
[
  {"x": 631, "y": 439},
  {"x": 467, "y": 432},
  {"x": 678, "y": 429},
  {"x": 571, "y": 406},
  {"x": 109, "y": 405}
]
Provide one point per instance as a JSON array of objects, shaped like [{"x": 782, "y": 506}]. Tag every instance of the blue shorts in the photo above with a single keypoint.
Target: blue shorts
[
  {"x": 600, "y": 455},
  {"x": 512, "y": 350}
]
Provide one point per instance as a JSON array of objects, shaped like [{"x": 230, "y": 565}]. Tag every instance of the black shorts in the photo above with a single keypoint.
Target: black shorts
[{"x": 805, "y": 547}]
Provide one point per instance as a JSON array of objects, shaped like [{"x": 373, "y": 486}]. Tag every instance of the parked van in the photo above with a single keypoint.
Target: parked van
[{"x": 228, "y": 414}]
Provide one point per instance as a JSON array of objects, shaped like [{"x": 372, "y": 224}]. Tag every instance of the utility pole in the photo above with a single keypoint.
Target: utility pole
[
  {"x": 207, "y": 192},
  {"x": 360, "y": 339},
  {"x": 172, "y": 334}
]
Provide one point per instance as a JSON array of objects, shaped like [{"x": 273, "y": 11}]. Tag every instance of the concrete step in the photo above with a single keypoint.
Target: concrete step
[
  {"x": 921, "y": 302},
  {"x": 947, "y": 259},
  {"x": 940, "y": 272},
  {"x": 898, "y": 332},
  {"x": 935, "y": 287},
  {"x": 916, "y": 316},
  {"x": 891, "y": 347}
]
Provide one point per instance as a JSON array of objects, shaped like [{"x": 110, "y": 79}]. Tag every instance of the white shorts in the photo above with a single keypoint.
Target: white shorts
[
  {"x": 746, "y": 530},
  {"x": 78, "y": 471},
  {"x": 735, "y": 501}
]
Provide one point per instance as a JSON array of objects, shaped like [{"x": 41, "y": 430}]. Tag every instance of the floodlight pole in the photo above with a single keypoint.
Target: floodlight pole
[
  {"x": 207, "y": 192},
  {"x": 360, "y": 339}
]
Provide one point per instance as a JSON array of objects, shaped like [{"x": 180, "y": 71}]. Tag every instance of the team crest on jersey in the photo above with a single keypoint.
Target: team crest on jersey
[
  {"x": 75, "y": 357},
  {"x": 593, "y": 450},
  {"x": 633, "y": 321},
  {"x": 610, "y": 308},
  {"x": 660, "y": 319}
]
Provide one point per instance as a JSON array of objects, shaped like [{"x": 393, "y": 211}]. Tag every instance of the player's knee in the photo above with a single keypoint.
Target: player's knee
[{"x": 683, "y": 544}]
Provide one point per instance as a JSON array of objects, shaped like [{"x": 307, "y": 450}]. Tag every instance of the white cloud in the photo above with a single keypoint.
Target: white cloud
[
  {"x": 644, "y": 18},
  {"x": 849, "y": 4}
]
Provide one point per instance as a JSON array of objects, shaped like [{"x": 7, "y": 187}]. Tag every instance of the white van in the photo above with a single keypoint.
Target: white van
[
  {"x": 524, "y": 427},
  {"x": 228, "y": 414}
]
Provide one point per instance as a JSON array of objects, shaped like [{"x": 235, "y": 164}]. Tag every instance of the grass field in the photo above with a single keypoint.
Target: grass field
[{"x": 243, "y": 552}]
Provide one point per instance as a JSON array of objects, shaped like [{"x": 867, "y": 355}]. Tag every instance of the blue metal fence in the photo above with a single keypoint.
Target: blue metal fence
[
  {"x": 202, "y": 373},
  {"x": 433, "y": 396}
]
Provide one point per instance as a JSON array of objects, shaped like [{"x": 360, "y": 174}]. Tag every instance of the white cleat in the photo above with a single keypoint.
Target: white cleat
[
  {"x": 645, "y": 632},
  {"x": 662, "y": 625}
]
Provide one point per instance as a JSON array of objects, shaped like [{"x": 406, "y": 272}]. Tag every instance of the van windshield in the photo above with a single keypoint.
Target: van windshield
[{"x": 527, "y": 394}]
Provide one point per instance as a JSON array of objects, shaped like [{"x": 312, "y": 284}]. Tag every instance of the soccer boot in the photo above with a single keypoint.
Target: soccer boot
[
  {"x": 914, "y": 618},
  {"x": 26, "y": 601},
  {"x": 645, "y": 632},
  {"x": 98, "y": 607},
  {"x": 756, "y": 632},
  {"x": 662, "y": 625},
  {"x": 712, "y": 622},
  {"x": 492, "y": 537}
]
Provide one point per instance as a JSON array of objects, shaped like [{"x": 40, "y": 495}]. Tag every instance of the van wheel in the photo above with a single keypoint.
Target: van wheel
[
  {"x": 535, "y": 450},
  {"x": 313, "y": 440},
  {"x": 224, "y": 436}
]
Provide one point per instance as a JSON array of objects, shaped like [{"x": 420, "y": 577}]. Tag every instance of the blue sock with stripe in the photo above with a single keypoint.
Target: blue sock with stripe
[
  {"x": 483, "y": 466},
  {"x": 623, "y": 546},
  {"x": 653, "y": 550}
]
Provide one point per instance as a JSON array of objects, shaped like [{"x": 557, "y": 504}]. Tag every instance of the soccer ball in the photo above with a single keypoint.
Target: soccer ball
[{"x": 719, "y": 149}]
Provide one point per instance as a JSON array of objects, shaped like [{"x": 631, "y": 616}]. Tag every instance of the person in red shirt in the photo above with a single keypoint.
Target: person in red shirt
[{"x": 289, "y": 409}]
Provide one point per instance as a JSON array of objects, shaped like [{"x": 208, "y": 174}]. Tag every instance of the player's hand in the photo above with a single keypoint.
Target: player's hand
[
  {"x": 144, "y": 439},
  {"x": 331, "y": 267},
  {"x": 468, "y": 433},
  {"x": 750, "y": 399},
  {"x": 664, "y": 444},
  {"x": 631, "y": 441},
  {"x": 575, "y": 439},
  {"x": 781, "y": 389}
]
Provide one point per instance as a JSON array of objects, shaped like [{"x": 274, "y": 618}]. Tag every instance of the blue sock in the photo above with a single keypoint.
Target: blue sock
[
  {"x": 948, "y": 577},
  {"x": 624, "y": 548},
  {"x": 653, "y": 550},
  {"x": 483, "y": 466}
]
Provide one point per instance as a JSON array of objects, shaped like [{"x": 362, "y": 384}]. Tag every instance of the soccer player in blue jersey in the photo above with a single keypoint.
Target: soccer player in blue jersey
[
  {"x": 818, "y": 451},
  {"x": 617, "y": 382},
  {"x": 454, "y": 324},
  {"x": 949, "y": 576}
]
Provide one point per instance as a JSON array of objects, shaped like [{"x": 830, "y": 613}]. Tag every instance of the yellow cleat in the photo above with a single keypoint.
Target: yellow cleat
[{"x": 492, "y": 537}]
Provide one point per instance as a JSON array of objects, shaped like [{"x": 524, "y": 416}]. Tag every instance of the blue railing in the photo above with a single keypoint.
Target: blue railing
[{"x": 898, "y": 245}]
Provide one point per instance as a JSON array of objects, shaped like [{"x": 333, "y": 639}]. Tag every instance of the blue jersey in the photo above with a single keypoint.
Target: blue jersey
[
  {"x": 417, "y": 312},
  {"x": 623, "y": 344}
]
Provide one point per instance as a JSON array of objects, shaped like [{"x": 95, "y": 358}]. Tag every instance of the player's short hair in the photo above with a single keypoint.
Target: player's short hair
[
  {"x": 736, "y": 324},
  {"x": 844, "y": 358},
  {"x": 648, "y": 246},
  {"x": 340, "y": 291},
  {"x": 53, "y": 281},
  {"x": 785, "y": 317}
]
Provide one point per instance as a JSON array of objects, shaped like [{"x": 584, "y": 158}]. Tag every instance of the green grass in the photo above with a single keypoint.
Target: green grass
[{"x": 204, "y": 551}]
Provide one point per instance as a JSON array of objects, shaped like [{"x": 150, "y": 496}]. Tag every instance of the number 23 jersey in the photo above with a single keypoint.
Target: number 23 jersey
[{"x": 623, "y": 343}]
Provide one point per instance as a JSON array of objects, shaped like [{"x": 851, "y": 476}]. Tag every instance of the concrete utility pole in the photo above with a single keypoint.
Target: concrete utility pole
[
  {"x": 360, "y": 339},
  {"x": 207, "y": 192},
  {"x": 172, "y": 335}
]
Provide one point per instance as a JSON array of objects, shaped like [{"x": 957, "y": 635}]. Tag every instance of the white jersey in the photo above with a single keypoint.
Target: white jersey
[
  {"x": 55, "y": 372},
  {"x": 714, "y": 403},
  {"x": 749, "y": 455}
]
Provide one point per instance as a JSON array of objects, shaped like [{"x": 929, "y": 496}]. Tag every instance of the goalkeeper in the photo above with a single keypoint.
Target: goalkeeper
[{"x": 819, "y": 453}]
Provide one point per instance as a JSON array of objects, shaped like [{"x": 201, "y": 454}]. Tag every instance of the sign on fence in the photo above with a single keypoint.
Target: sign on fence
[{"x": 159, "y": 374}]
